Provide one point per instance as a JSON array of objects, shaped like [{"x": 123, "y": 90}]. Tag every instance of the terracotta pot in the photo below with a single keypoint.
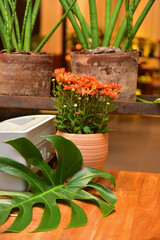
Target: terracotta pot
[
  {"x": 119, "y": 67},
  {"x": 26, "y": 75},
  {"x": 93, "y": 147}
]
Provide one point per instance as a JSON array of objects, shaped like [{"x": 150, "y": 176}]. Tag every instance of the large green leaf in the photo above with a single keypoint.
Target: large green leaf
[
  {"x": 14, "y": 168},
  {"x": 105, "y": 193},
  {"x": 69, "y": 158},
  {"x": 33, "y": 156},
  {"x": 50, "y": 188},
  {"x": 82, "y": 178}
]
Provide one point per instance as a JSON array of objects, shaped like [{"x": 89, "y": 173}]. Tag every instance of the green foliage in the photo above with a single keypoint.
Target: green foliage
[
  {"x": 146, "y": 101},
  {"x": 126, "y": 30},
  {"x": 82, "y": 114},
  {"x": 129, "y": 19},
  {"x": 157, "y": 100},
  {"x": 51, "y": 187},
  {"x": 10, "y": 33}
]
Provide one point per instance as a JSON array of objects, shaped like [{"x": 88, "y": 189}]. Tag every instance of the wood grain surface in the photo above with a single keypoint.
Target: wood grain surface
[
  {"x": 46, "y": 103},
  {"x": 137, "y": 214}
]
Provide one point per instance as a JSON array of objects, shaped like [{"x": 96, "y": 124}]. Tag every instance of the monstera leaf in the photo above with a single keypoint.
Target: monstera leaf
[{"x": 52, "y": 186}]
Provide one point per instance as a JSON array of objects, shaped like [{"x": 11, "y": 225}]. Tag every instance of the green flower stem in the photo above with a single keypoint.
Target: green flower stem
[
  {"x": 72, "y": 93},
  {"x": 104, "y": 100},
  {"x": 139, "y": 22},
  {"x": 83, "y": 110},
  {"x": 114, "y": 17},
  {"x": 107, "y": 20},
  {"x": 94, "y": 23},
  {"x": 122, "y": 30},
  {"x": 74, "y": 24},
  {"x": 81, "y": 20}
]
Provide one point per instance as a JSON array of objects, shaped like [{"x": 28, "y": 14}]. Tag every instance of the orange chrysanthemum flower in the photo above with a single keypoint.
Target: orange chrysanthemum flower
[
  {"x": 83, "y": 102},
  {"x": 59, "y": 70},
  {"x": 86, "y": 85}
]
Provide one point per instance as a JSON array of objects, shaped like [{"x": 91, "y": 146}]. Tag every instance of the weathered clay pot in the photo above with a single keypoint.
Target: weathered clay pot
[
  {"x": 26, "y": 75},
  {"x": 119, "y": 67},
  {"x": 93, "y": 147}
]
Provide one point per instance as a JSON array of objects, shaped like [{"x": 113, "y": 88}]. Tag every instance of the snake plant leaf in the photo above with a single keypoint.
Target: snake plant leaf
[{"x": 46, "y": 192}]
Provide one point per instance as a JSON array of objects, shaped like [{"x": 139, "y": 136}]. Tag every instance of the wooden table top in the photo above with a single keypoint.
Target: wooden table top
[{"x": 137, "y": 214}]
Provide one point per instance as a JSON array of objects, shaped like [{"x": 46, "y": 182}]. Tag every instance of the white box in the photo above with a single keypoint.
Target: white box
[{"x": 31, "y": 127}]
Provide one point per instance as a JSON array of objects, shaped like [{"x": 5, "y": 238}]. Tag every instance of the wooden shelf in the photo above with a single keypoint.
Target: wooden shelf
[{"x": 46, "y": 103}]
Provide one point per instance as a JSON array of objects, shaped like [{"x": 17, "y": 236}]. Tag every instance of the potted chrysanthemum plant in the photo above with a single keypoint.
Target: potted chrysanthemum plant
[{"x": 84, "y": 105}]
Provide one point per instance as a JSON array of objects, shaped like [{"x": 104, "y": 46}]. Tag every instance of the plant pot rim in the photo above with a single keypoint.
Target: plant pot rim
[
  {"x": 25, "y": 54},
  {"x": 124, "y": 54},
  {"x": 87, "y": 51},
  {"x": 86, "y": 135},
  {"x": 20, "y": 58}
]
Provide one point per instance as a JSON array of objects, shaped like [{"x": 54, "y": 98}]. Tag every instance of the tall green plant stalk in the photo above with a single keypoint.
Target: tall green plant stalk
[
  {"x": 6, "y": 24},
  {"x": 110, "y": 22},
  {"x": 54, "y": 28},
  {"x": 94, "y": 23},
  {"x": 84, "y": 25},
  {"x": 9, "y": 25},
  {"x": 74, "y": 24},
  {"x": 28, "y": 28},
  {"x": 2, "y": 33},
  {"x": 106, "y": 42},
  {"x": 107, "y": 20},
  {"x": 35, "y": 12},
  {"x": 17, "y": 30},
  {"x": 129, "y": 18},
  {"x": 139, "y": 22},
  {"x": 122, "y": 30}
]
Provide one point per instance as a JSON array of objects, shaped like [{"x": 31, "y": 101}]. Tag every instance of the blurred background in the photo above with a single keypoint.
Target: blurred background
[{"x": 135, "y": 145}]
